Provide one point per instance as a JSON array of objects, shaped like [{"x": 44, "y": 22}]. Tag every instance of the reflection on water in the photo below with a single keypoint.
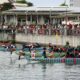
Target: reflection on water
[{"x": 9, "y": 70}]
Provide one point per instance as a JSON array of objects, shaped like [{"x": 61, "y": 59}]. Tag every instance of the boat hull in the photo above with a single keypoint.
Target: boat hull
[{"x": 58, "y": 60}]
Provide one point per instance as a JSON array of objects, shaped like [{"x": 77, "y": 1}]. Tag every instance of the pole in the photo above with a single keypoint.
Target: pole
[
  {"x": 26, "y": 18},
  {"x": 31, "y": 19},
  {"x": 50, "y": 23},
  {"x": 50, "y": 17},
  {"x": 37, "y": 16},
  {"x": 5, "y": 17},
  {"x": 66, "y": 23}
]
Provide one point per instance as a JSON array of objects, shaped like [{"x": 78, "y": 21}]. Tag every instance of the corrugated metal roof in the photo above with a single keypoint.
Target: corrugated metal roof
[
  {"x": 55, "y": 9},
  {"x": 40, "y": 9}
]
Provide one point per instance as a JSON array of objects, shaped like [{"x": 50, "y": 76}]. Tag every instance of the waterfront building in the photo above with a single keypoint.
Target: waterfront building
[
  {"x": 30, "y": 21},
  {"x": 40, "y": 15}
]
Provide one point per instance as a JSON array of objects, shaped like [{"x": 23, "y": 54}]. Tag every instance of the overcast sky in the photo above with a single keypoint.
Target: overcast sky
[{"x": 48, "y": 3}]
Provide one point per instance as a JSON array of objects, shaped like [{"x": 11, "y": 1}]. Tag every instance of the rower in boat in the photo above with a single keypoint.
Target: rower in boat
[
  {"x": 11, "y": 48},
  {"x": 22, "y": 61},
  {"x": 21, "y": 53},
  {"x": 44, "y": 52},
  {"x": 33, "y": 54}
]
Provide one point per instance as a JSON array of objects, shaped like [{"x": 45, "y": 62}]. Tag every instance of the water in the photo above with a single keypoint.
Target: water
[{"x": 11, "y": 70}]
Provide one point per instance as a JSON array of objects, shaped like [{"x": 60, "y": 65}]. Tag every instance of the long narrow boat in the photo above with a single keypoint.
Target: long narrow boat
[{"x": 58, "y": 60}]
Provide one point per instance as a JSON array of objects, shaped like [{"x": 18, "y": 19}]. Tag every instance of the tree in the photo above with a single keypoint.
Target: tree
[
  {"x": 9, "y": 5},
  {"x": 24, "y": 2},
  {"x": 63, "y": 4},
  {"x": 21, "y": 1},
  {"x": 30, "y": 4},
  {"x": 6, "y": 6}
]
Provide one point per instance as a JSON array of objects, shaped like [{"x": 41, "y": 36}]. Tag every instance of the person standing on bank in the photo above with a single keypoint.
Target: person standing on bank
[{"x": 44, "y": 52}]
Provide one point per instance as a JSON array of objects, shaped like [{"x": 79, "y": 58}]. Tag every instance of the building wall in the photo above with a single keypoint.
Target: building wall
[
  {"x": 75, "y": 3},
  {"x": 45, "y": 39}
]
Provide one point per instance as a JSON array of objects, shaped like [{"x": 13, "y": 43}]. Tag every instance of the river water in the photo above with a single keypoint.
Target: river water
[{"x": 10, "y": 69}]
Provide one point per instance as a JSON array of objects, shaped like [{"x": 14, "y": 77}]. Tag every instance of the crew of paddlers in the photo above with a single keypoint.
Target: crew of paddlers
[{"x": 70, "y": 52}]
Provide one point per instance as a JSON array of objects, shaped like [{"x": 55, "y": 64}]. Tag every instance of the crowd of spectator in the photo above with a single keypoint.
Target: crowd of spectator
[{"x": 44, "y": 29}]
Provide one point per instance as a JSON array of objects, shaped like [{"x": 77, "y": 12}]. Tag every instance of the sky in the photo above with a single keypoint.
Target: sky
[
  {"x": 44, "y": 3},
  {"x": 47, "y": 3}
]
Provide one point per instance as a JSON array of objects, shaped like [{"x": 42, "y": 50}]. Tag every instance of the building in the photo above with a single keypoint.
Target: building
[
  {"x": 75, "y": 3},
  {"x": 40, "y": 15},
  {"x": 21, "y": 14}
]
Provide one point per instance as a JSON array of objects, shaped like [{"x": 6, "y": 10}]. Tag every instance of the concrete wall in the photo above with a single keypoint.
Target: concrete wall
[{"x": 58, "y": 40}]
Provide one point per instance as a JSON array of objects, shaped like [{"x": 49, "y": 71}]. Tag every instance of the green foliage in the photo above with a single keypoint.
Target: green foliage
[
  {"x": 6, "y": 6},
  {"x": 21, "y": 1},
  {"x": 13, "y": 41},
  {"x": 30, "y": 4},
  {"x": 24, "y": 2},
  {"x": 64, "y": 4}
]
